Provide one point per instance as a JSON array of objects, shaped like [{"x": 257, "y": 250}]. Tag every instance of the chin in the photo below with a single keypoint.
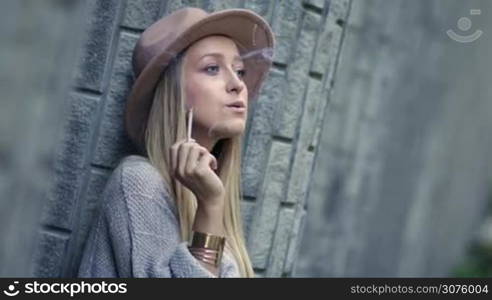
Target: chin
[
  {"x": 227, "y": 128},
  {"x": 233, "y": 130},
  {"x": 233, "y": 133}
]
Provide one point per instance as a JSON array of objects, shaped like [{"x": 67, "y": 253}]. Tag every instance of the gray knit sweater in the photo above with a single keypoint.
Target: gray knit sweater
[{"x": 136, "y": 232}]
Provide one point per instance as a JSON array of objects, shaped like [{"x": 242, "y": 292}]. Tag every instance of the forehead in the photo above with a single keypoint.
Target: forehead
[{"x": 217, "y": 45}]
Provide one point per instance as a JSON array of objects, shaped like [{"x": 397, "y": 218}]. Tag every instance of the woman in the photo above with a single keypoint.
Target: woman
[{"x": 173, "y": 210}]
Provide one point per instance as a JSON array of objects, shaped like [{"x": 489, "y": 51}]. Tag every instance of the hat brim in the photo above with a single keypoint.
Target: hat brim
[{"x": 253, "y": 35}]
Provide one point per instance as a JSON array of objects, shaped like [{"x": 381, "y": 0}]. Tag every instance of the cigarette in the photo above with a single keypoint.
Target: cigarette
[{"x": 190, "y": 119}]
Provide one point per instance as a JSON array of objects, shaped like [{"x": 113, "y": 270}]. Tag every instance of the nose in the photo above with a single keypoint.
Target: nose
[{"x": 234, "y": 83}]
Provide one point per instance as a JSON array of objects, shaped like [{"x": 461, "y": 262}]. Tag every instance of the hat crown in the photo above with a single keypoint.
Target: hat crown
[{"x": 162, "y": 33}]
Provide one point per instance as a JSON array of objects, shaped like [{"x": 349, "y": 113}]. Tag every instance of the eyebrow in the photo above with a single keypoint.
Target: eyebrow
[{"x": 236, "y": 57}]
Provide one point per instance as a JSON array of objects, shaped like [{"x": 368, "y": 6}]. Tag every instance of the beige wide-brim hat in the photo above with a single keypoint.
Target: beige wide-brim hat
[{"x": 167, "y": 37}]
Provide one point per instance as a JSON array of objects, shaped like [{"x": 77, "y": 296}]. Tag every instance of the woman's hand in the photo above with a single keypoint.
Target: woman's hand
[{"x": 192, "y": 165}]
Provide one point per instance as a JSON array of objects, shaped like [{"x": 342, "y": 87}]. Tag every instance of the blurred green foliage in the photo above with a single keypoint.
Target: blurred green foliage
[{"x": 478, "y": 263}]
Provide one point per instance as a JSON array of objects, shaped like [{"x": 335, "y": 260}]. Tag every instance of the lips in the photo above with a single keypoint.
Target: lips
[{"x": 238, "y": 104}]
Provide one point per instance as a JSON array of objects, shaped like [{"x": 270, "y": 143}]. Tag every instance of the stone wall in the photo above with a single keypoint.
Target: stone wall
[
  {"x": 403, "y": 181},
  {"x": 36, "y": 59}
]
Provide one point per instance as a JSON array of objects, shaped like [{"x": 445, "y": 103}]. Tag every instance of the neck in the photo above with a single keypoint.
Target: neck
[{"x": 204, "y": 139}]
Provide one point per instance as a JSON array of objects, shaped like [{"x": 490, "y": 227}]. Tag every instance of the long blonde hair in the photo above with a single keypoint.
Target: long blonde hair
[{"x": 165, "y": 126}]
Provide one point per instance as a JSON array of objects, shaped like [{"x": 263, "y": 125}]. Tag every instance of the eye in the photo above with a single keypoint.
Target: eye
[
  {"x": 241, "y": 73},
  {"x": 216, "y": 68},
  {"x": 213, "y": 69}
]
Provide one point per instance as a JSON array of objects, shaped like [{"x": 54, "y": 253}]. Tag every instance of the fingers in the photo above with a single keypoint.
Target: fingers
[
  {"x": 174, "y": 150},
  {"x": 183, "y": 151},
  {"x": 184, "y": 157},
  {"x": 174, "y": 157},
  {"x": 213, "y": 163},
  {"x": 206, "y": 161},
  {"x": 193, "y": 157}
]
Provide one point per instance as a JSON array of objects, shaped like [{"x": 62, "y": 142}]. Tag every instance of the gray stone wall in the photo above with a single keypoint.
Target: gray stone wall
[
  {"x": 36, "y": 59},
  {"x": 282, "y": 132},
  {"x": 403, "y": 182}
]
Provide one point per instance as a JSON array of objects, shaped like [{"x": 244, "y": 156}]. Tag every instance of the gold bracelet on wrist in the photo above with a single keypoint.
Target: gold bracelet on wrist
[
  {"x": 206, "y": 260},
  {"x": 213, "y": 257},
  {"x": 207, "y": 242},
  {"x": 211, "y": 261}
]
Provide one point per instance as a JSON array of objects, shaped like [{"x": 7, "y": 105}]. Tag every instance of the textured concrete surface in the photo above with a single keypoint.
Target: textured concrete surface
[
  {"x": 33, "y": 88},
  {"x": 405, "y": 172}
]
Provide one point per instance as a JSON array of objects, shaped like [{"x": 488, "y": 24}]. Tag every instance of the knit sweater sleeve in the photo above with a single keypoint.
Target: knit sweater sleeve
[{"x": 136, "y": 233}]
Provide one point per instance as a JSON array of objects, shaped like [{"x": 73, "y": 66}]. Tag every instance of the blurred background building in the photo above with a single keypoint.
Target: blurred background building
[
  {"x": 402, "y": 184},
  {"x": 367, "y": 154}
]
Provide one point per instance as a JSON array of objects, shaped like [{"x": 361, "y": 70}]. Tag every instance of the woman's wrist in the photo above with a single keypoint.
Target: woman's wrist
[
  {"x": 209, "y": 219},
  {"x": 213, "y": 205}
]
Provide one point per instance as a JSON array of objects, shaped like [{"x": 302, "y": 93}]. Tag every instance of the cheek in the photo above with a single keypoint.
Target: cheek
[
  {"x": 200, "y": 96},
  {"x": 199, "y": 91},
  {"x": 191, "y": 95}
]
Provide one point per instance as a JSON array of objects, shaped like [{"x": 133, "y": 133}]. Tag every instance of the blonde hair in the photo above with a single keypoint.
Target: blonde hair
[{"x": 165, "y": 126}]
